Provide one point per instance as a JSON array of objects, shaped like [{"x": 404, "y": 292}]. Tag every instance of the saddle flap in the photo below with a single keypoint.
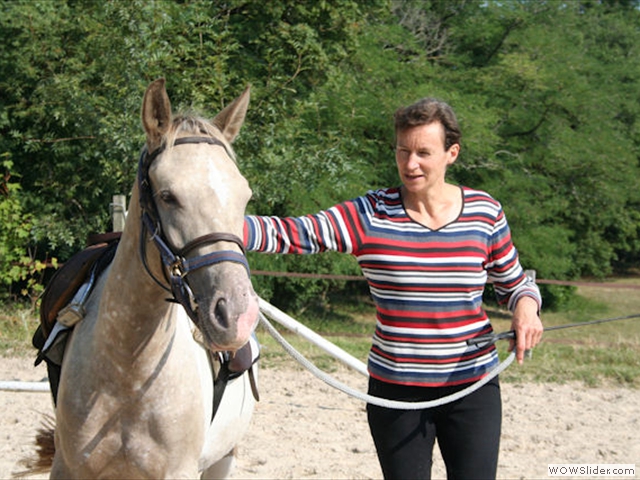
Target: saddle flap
[{"x": 69, "y": 278}]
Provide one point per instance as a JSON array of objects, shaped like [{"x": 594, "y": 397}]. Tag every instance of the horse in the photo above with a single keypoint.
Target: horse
[{"x": 136, "y": 390}]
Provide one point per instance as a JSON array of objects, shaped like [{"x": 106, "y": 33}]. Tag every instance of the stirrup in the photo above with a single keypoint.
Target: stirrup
[
  {"x": 71, "y": 314},
  {"x": 75, "y": 311}
]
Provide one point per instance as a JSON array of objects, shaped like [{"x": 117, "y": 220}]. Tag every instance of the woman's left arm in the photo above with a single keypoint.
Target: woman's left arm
[
  {"x": 527, "y": 325},
  {"x": 514, "y": 288}
]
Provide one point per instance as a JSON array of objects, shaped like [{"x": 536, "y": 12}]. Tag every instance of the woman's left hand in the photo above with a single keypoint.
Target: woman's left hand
[{"x": 527, "y": 325}]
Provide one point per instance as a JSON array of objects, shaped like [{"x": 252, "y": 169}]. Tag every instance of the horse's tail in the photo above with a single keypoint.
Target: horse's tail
[{"x": 41, "y": 461}]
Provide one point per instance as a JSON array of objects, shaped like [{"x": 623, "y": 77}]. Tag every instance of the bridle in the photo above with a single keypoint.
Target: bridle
[{"x": 177, "y": 265}]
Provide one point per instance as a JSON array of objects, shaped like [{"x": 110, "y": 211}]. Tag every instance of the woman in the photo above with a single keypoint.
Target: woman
[{"x": 427, "y": 249}]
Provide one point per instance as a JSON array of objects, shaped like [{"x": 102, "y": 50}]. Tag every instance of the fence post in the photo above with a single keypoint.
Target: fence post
[{"x": 119, "y": 212}]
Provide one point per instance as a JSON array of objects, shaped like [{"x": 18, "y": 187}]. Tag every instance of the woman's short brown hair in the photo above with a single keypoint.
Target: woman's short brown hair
[{"x": 426, "y": 111}]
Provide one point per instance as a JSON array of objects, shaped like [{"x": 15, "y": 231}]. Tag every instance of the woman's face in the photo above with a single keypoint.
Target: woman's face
[{"x": 421, "y": 158}]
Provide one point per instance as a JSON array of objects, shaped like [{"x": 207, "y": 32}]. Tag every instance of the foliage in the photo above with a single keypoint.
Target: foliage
[
  {"x": 546, "y": 94},
  {"x": 18, "y": 268}
]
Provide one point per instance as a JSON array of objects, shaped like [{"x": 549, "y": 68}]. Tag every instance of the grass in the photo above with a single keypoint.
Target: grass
[
  {"x": 597, "y": 355},
  {"x": 17, "y": 324}
]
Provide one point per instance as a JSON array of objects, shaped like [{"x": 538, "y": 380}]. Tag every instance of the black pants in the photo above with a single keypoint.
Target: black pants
[{"x": 467, "y": 430}]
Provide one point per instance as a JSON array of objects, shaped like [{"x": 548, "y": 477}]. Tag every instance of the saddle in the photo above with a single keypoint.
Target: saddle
[
  {"x": 66, "y": 282},
  {"x": 62, "y": 301}
]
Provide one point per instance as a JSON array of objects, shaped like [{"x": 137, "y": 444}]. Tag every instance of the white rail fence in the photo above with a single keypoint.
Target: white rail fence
[{"x": 18, "y": 386}]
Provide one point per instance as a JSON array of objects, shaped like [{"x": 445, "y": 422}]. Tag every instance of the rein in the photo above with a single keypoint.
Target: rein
[{"x": 177, "y": 265}]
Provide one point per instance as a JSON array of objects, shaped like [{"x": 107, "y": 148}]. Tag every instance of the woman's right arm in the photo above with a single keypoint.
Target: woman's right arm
[{"x": 307, "y": 234}]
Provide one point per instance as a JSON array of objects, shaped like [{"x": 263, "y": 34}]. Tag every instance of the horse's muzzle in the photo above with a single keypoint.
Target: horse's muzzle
[{"x": 230, "y": 318}]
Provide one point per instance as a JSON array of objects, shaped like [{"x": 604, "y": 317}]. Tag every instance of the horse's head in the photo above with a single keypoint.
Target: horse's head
[{"x": 193, "y": 199}]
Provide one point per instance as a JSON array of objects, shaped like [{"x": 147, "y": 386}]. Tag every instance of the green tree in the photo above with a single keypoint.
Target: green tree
[
  {"x": 73, "y": 76},
  {"x": 19, "y": 267},
  {"x": 546, "y": 93},
  {"x": 572, "y": 161}
]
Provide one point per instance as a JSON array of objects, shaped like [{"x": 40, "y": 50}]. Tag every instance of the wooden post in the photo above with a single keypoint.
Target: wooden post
[{"x": 119, "y": 212}]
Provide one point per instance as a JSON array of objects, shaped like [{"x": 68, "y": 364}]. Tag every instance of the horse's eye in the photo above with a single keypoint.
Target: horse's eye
[{"x": 167, "y": 197}]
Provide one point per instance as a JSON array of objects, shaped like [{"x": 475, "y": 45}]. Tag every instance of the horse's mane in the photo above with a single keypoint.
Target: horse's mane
[{"x": 194, "y": 124}]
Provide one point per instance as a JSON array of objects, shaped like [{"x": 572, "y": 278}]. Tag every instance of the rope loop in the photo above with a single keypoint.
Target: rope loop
[{"x": 377, "y": 401}]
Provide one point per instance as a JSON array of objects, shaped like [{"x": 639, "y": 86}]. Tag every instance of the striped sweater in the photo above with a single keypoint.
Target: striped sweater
[{"x": 427, "y": 284}]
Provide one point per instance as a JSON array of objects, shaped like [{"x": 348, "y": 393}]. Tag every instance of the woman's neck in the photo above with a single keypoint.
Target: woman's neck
[{"x": 434, "y": 208}]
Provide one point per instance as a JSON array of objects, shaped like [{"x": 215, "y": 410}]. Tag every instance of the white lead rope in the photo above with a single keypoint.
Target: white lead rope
[
  {"x": 319, "y": 341},
  {"x": 382, "y": 402}
]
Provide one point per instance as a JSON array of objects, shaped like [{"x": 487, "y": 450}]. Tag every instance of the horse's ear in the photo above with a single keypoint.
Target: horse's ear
[
  {"x": 156, "y": 113},
  {"x": 231, "y": 118}
]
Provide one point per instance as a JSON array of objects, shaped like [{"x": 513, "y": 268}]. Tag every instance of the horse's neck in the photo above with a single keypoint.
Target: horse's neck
[{"x": 133, "y": 308}]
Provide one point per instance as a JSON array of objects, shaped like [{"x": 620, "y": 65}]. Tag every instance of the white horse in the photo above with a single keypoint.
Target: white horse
[{"x": 136, "y": 390}]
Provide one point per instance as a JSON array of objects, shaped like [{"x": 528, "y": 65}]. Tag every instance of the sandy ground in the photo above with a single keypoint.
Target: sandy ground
[{"x": 304, "y": 429}]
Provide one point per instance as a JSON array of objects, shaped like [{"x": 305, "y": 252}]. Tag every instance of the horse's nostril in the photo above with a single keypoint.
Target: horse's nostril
[{"x": 222, "y": 313}]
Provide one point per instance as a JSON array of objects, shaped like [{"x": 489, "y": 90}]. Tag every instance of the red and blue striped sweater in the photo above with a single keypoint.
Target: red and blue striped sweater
[{"x": 427, "y": 284}]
